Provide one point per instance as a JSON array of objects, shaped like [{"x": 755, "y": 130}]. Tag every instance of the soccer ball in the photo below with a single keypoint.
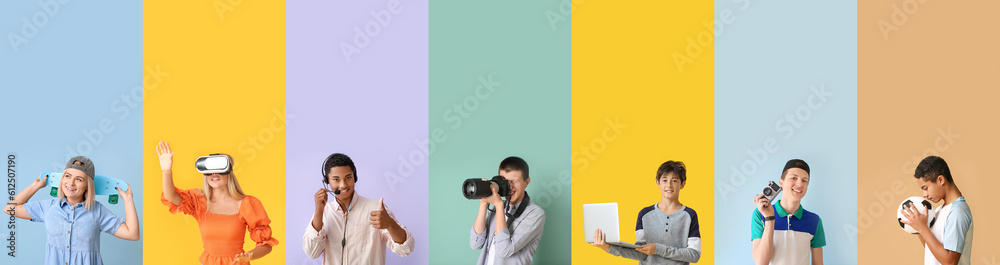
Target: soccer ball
[{"x": 922, "y": 205}]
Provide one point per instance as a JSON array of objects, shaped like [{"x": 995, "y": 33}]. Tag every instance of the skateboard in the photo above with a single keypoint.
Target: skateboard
[{"x": 103, "y": 185}]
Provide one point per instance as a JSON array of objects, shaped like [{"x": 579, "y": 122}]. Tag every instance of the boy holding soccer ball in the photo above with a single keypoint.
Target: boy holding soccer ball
[{"x": 949, "y": 240}]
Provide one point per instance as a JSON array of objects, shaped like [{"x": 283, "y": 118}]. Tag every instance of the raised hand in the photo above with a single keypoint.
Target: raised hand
[{"x": 166, "y": 155}]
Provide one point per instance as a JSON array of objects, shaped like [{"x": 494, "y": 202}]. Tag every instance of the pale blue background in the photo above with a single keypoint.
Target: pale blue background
[
  {"x": 63, "y": 82},
  {"x": 766, "y": 60}
]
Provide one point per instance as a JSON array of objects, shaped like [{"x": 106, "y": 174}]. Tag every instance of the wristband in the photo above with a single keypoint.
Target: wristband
[{"x": 769, "y": 218}]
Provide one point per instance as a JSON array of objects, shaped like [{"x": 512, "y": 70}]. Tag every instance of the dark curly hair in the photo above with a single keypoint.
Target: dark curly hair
[
  {"x": 931, "y": 167},
  {"x": 338, "y": 160}
]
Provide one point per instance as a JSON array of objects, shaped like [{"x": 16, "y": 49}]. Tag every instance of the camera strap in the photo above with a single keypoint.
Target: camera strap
[{"x": 520, "y": 210}]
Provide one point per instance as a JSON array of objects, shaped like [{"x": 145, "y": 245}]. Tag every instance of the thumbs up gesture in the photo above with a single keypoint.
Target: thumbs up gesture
[{"x": 380, "y": 219}]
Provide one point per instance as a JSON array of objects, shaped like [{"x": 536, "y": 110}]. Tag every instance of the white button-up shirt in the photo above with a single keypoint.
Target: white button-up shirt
[{"x": 362, "y": 243}]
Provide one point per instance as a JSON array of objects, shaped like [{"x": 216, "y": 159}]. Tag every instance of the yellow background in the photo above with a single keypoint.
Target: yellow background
[
  {"x": 224, "y": 83},
  {"x": 623, "y": 69}
]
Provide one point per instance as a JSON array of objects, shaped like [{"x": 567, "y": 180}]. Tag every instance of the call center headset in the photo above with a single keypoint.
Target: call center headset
[
  {"x": 324, "y": 170},
  {"x": 326, "y": 182}
]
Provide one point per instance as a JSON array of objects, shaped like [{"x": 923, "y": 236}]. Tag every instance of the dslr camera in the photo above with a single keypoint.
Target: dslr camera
[{"x": 475, "y": 188}]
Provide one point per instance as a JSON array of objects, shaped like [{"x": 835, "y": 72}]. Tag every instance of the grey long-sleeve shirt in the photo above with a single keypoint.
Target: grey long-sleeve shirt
[
  {"x": 676, "y": 235},
  {"x": 513, "y": 245}
]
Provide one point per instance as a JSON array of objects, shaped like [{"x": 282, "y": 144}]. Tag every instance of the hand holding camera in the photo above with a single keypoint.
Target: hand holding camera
[
  {"x": 493, "y": 199},
  {"x": 763, "y": 200}
]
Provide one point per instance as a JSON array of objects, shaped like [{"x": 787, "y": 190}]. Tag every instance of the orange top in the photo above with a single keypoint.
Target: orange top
[{"x": 222, "y": 234}]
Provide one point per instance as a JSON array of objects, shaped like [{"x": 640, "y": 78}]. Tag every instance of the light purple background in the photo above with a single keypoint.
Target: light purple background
[{"x": 373, "y": 108}]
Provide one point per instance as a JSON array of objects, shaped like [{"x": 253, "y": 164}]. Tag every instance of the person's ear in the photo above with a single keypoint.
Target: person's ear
[
  {"x": 527, "y": 181},
  {"x": 683, "y": 183}
]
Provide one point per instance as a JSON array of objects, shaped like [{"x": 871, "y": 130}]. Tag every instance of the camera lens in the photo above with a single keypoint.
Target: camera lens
[
  {"x": 476, "y": 188},
  {"x": 469, "y": 188},
  {"x": 767, "y": 192}
]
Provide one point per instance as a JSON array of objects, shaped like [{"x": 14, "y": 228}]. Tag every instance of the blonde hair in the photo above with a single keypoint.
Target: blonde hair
[
  {"x": 233, "y": 186},
  {"x": 88, "y": 197}
]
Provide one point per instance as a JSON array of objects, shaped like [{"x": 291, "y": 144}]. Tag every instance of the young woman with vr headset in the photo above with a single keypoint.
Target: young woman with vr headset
[{"x": 224, "y": 213}]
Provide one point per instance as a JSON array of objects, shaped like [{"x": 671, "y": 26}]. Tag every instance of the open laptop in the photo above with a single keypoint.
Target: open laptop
[{"x": 603, "y": 216}]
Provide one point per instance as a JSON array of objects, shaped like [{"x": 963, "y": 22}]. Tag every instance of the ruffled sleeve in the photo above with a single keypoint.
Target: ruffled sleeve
[
  {"x": 259, "y": 226},
  {"x": 192, "y": 202}
]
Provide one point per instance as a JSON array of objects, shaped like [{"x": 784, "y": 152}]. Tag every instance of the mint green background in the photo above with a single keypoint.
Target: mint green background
[{"x": 528, "y": 115}]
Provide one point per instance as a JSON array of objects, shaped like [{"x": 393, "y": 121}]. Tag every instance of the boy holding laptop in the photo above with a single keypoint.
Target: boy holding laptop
[{"x": 667, "y": 231}]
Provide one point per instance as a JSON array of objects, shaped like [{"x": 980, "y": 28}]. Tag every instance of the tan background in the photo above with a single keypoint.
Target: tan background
[{"x": 939, "y": 71}]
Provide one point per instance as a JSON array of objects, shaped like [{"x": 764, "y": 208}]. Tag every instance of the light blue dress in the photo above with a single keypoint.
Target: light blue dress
[{"x": 73, "y": 233}]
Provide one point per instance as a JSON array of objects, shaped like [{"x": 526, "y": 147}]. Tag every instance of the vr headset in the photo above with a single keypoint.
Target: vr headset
[{"x": 214, "y": 163}]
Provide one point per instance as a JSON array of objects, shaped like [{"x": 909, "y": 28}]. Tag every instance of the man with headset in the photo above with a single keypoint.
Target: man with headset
[{"x": 354, "y": 229}]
